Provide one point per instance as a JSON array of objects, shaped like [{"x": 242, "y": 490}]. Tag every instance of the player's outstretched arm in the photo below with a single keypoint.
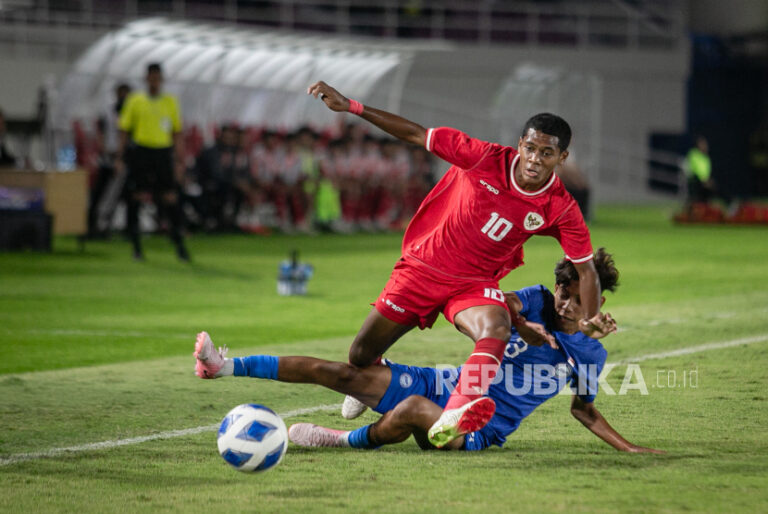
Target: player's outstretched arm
[
  {"x": 591, "y": 418},
  {"x": 535, "y": 334},
  {"x": 595, "y": 324},
  {"x": 393, "y": 124},
  {"x": 589, "y": 287}
]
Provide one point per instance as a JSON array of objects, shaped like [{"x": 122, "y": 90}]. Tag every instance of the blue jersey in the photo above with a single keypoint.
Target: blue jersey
[{"x": 531, "y": 375}]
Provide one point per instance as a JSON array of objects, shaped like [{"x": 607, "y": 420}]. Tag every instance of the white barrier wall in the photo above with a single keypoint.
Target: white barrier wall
[
  {"x": 631, "y": 94},
  {"x": 635, "y": 93}
]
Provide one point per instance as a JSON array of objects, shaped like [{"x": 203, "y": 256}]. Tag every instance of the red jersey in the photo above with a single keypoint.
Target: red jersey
[{"x": 474, "y": 222}]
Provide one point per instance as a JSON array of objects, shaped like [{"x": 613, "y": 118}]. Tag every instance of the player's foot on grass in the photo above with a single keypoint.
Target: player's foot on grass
[
  {"x": 307, "y": 434},
  {"x": 453, "y": 423},
  {"x": 209, "y": 359},
  {"x": 352, "y": 407}
]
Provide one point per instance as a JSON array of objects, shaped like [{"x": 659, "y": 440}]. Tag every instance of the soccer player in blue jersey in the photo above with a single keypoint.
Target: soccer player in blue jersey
[{"x": 534, "y": 369}]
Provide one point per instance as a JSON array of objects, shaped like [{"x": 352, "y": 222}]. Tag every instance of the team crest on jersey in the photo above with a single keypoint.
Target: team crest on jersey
[
  {"x": 406, "y": 380},
  {"x": 562, "y": 370},
  {"x": 533, "y": 221}
]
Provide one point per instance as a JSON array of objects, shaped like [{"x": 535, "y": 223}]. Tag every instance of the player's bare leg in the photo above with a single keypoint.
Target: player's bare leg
[
  {"x": 468, "y": 410},
  {"x": 374, "y": 338},
  {"x": 414, "y": 415},
  {"x": 376, "y": 335},
  {"x": 367, "y": 384}
]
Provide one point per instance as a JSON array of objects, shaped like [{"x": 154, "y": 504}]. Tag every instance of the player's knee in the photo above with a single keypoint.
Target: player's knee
[
  {"x": 346, "y": 373},
  {"x": 412, "y": 408},
  {"x": 501, "y": 332}
]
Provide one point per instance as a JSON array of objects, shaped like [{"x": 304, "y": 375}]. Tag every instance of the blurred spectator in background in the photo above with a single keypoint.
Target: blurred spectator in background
[
  {"x": 420, "y": 181},
  {"x": 370, "y": 178},
  {"x": 320, "y": 187},
  {"x": 106, "y": 185},
  {"x": 393, "y": 176},
  {"x": 758, "y": 156},
  {"x": 701, "y": 185},
  {"x": 152, "y": 121},
  {"x": 352, "y": 171},
  {"x": 698, "y": 168},
  {"x": 575, "y": 183},
  {"x": 7, "y": 159},
  {"x": 255, "y": 180},
  {"x": 289, "y": 195},
  {"x": 216, "y": 169}
]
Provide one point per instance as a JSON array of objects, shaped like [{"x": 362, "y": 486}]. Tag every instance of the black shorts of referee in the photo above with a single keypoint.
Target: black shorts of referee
[{"x": 150, "y": 169}]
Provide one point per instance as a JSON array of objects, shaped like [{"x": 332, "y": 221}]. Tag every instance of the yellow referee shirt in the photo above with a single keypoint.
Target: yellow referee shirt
[{"x": 151, "y": 121}]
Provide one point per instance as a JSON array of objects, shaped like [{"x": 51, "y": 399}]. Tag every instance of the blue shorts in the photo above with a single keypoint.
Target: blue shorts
[
  {"x": 436, "y": 385},
  {"x": 432, "y": 383}
]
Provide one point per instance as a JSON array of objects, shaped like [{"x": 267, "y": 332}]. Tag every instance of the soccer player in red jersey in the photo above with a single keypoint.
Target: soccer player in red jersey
[{"x": 467, "y": 234}]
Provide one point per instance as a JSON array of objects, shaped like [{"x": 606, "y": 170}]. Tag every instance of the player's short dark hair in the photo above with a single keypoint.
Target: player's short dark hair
[
  {"x": 565, "y": 271},
  {"x": 550, "y": 124},
  {"x": 154, "y": 68}
]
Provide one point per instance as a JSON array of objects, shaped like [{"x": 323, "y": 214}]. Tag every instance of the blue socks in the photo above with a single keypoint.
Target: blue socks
[
  {"x": 256, "y": 366},
  {"x": 359, "y": 438}
]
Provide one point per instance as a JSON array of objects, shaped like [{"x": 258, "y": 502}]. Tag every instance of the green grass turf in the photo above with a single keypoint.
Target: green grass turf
[{"x": 97, "y": 347}]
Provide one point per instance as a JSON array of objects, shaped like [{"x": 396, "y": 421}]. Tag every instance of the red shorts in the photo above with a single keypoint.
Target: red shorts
[{"x": 415, "y": 294}]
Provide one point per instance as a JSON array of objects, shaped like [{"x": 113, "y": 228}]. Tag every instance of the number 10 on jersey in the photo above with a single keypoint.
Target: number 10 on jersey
[{"x": 497, "y": 227}]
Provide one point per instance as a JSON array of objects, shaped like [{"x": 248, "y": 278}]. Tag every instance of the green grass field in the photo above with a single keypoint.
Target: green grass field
[{"x": 98, "y": 348}]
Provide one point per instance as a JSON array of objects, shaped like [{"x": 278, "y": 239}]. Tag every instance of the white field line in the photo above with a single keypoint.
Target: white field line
[
  {"x": 103, "y": 445},
  {"x": 695, "y": 349},
  {"x": 100, "y": 333}
]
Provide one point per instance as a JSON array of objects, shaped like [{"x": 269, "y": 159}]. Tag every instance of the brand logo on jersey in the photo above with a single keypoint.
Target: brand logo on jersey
[
  {"x": 489, "y": 187},
  {"x": 562, "y": 370},
  {"x": 394, "y": 307},
  {"x": 406, "y": 380},
  {"x": 533, "y": 221}
]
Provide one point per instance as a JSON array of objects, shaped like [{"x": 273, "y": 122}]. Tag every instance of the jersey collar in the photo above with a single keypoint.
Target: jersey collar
[{"x": 520, "y": 189}]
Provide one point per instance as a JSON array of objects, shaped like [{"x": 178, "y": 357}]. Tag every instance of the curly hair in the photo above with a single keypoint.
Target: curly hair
[
  {"x": 550, "y": 124},
  {"x": 565, "y": 271}
]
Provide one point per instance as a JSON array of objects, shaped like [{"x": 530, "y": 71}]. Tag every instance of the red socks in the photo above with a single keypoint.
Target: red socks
[{"x": 478, "y": 372}]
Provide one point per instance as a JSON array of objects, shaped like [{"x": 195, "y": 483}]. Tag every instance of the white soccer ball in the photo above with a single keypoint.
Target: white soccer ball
[{"x": 252, "y": 438}]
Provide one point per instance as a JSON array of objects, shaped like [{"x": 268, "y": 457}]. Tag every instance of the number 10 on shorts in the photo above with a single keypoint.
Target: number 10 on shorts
[{"x": 494, "y": 294}]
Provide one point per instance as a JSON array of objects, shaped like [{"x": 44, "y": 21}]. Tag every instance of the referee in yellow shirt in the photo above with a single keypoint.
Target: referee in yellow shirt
[{"x": 152, "y": 122}]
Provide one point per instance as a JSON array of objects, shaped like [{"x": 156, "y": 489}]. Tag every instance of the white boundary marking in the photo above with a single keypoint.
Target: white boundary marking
[
  {"x": 103, "y": 445},
  {"x": 696, "y": 349},
  {"x": 99, "y": 333}
]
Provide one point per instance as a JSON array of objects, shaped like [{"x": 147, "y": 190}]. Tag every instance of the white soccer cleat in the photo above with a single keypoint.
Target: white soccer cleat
[
  {"x": 352, "y": 407},
  {"x": 307, "y": 434},
  {"x": 209, "y": 360}
]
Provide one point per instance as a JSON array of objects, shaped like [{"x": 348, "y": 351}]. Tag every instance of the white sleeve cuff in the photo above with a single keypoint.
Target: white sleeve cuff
[{"x": 428, "y": 142}]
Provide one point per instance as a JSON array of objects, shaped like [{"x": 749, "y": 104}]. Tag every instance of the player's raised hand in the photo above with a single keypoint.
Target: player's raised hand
[
  {"x": 598, "y": 326},
  {"x": 332, "y": 98},
  {"x": 535, "y": 334}
]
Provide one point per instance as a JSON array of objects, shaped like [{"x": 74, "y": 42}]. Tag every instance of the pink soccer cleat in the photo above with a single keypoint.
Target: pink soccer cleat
[
  {"x": 209, "y": 360},
  {"x": 307, "y": 434}
]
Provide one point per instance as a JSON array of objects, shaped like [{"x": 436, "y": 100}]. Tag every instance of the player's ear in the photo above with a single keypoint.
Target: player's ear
[
  {"x": 563, "y": 155},
  {"x": 602, "y": 301}
]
